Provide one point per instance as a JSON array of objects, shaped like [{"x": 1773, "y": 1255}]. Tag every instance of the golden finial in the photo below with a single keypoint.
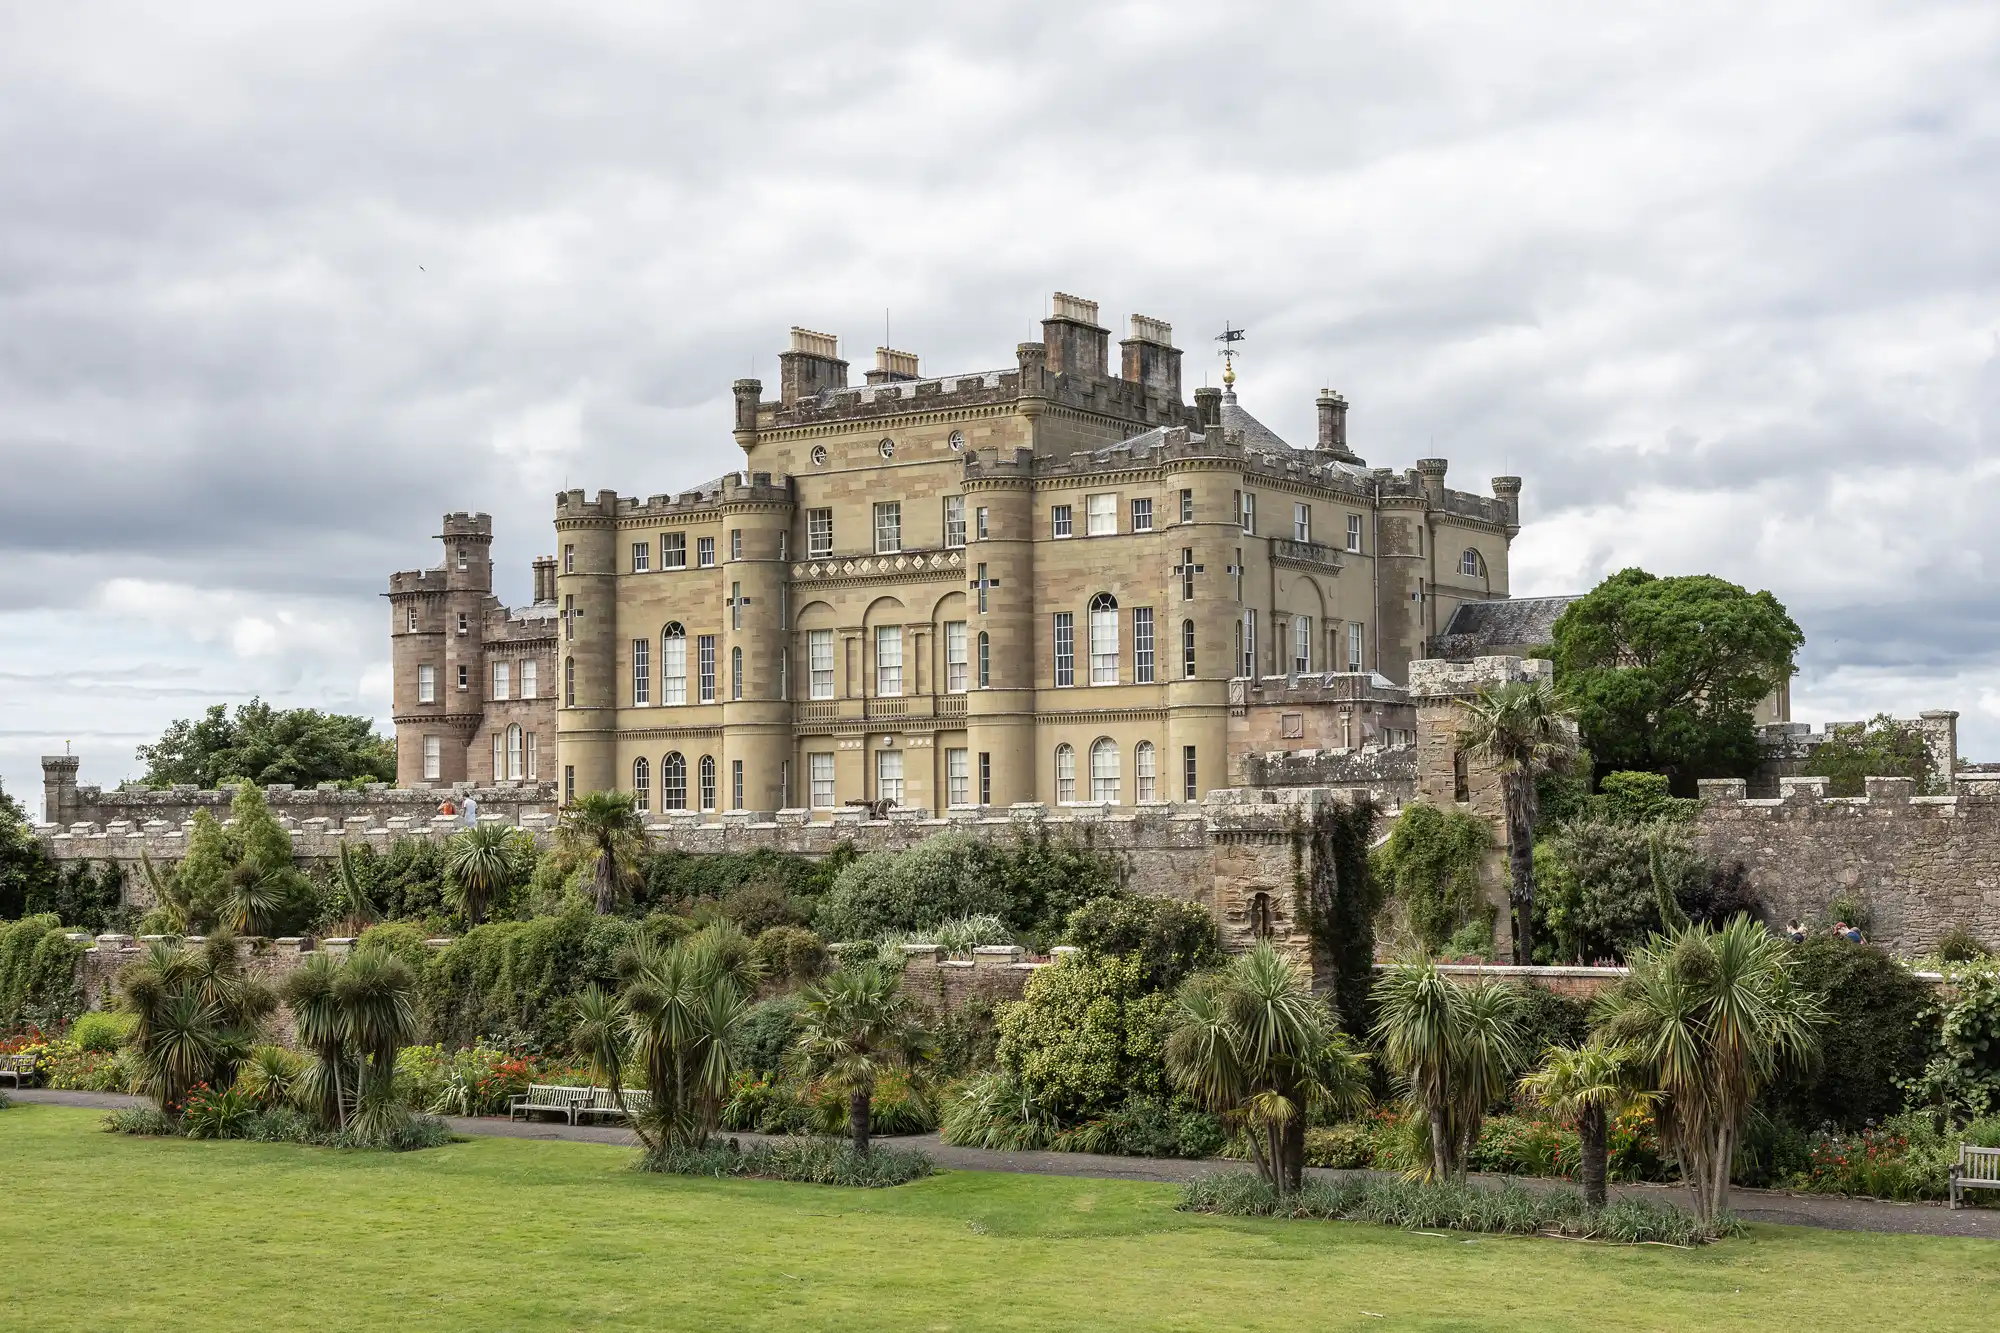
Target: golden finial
[{"x": 1229, "y": 338}]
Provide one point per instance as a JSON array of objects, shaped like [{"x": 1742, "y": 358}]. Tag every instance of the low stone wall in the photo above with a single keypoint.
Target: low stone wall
[
  {"x": 1921, "y": 864},
  {"x": 993, "y": 973},
  {"x": 1785, "y": 748}
]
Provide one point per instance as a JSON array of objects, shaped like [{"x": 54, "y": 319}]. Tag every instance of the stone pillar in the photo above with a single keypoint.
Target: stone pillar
[{"x": 60, "y": 804}]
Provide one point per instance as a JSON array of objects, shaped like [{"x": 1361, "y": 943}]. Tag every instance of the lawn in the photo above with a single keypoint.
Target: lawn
[{"x": 102, "y": 1231}]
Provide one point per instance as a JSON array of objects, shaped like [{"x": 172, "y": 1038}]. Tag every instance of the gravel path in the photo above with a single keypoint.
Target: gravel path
[{"x": 1800, "y": 1210}]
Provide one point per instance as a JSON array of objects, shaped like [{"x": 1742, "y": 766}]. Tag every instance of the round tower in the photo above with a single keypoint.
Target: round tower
[
  {"x": 587, "y": 659},
  {"x": 1207, "y": 549},
  {"x": 754, "y": 674},
  {"x": 1001, "y": 621}
]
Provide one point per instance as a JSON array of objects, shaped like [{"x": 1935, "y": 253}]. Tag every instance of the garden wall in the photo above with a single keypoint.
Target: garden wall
[{"x": 1920, "y": 864}]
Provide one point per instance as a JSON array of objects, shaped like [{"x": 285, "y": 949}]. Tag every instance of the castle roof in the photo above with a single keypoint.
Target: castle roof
[{"x": 1502, "y": 628}]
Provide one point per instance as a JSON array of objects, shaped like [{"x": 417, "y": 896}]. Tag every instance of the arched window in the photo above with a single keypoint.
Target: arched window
[
  {"x": 514, "y": 752},
  {"x": 1104, "y": 771},
  {"x": 1187, "y": 650},
  {"x": 1065, "y": 775},
  {"x": 642, "y": 782},
  {"x": 569, "y": 682},
  {"x": 1145, "y": 771},
  {"x": 674, "y": 782},
  {"x": 1469, "y": 563},
  {"x": 705, "y": 772},
  {"x": 673, "y": 669},
  {"x": 1260, "y": 916},
  {"x": 985, "y": 660},
  {"x": 736, "y": 673},
  {"x": 1104, "y": 639}
]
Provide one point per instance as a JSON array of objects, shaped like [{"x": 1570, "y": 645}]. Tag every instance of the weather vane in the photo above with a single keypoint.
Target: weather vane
[{"x": 1229, "y": 338}]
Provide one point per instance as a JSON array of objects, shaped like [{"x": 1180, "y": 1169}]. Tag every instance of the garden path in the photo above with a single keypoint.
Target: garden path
[{"x": 1826, "y": 1211}]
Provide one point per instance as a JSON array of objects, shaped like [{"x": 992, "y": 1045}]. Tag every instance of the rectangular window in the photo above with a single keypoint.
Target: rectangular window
[
  {"x": 957, "y": 777},
  {"x": 1142, "y": 769},
  {"x": 985, "y": 778},
  {"x": 888, "y": 527},
  {"x": 674, "y": 667},
  {"x": 819, "y": 773},
  {"x": 736, "y": 673},
  {"x": 427, "y": 685},
  {"x": 954, "y": 657},
  {"x": 1065, "y": 648},
  {"x": 704, "y": 783},
  {"x": 889, "y": 776},
  {"x": 979, "y": 523},
  {"x": 1187, "y": 650},
  {"x": 433, "y": 758},
  {"x": 503, "y": 680},
  {"x": 819, "y": 663},
  {"x": 819, "y": 532},
  {"x": 642, "y": 557},
  {"x": 1142, "y": 516},
  {"x": 736, "y": 606},
  {"x": 1354, "y": 642},
  {"x": 569, "y": 559},
  {"x": 1354, "y": 532},
  {"x": 982, "y": 585},
  {"x": 464, "y": 677},
  {"x": 1065, "y": 775},
  {"x": 1059, "y": 521},
  {"x": 412, "y": 618},
  {"x": 705, "y": 666},
  {"x": 985, "y": 660},
  {"x": 464, "y": 622},
  {"x": 736, "y": 784},
  {"x": 1249, "y": 514},
  {"x": 1190, "y": 789},
  {"x": 1187, "y": 506},
  {"x": 1104, "y": 645},
  {"x": 954, "y": 520},
  {"x": 888, "y": 661},
  {"x": 1250, "y": 642},
  {"x": 1187, "y": 573},
  {"x": 1142, "y": 644},
  {"x": 569, "y": 784},
  {"x": 569, "y": 615},
  {"x": 704, "y": 552},
  {"x": 533, "y": 769},
  {"x": 1302, "y": 643},
  {"x": 529, "y": 686},
  {"x": 569, "y": 682},
  {"x": 673, "y": 550},
  {"x": 736, "y": 543},
  {"x": 642, "y": 687},
  {"x": 1302, "y": 523},
  {"x": 1100, "y": 515}
]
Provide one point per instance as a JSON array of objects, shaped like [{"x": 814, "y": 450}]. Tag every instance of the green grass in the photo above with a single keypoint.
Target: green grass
[{"x": 104, "y": 1231}]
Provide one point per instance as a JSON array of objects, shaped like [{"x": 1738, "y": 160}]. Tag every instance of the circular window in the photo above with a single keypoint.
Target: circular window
[
  {"x": 888, "y": 448},
  {"x": 819, "y": 455},
  {"x": 957, "y": 440}
]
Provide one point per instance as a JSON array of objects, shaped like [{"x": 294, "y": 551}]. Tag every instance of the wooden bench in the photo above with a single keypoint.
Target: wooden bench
[
  {"x": 1977, "y": 1169},
  {"x": 555, "y": 1098},
  {"x": 19, "y": 1068},
  {"x": 637, "y": 1100}
]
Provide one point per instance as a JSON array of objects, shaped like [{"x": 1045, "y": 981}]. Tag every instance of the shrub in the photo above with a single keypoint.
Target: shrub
[
  {"x": 1147, "y": 1127},
  {"x": 1085, "y": 1036},
  {"x": 145, "y": 1120},
  {"x": 474, "y": 1080},
  {"x": 1959, "y": 945},
  {"x": 996, "y": 1110},
  {"x": 1880, "y": 747},
  {"x": 817, "y": 1161},
  {"x": 210, "y": 1114},
  {"x": 101, "y": 1033},
  {"x": 766, "y": 1034},
  {"x": 1876, "y": 1038},
  {"x": 270, "y": 1077},
  {"x": 1549, "y": 1019},
  {"x": 1430, "y": 867},
  {"x": 1416, "y": 1206},
  {"x": 766, "y": 878},
  {"x": 1171, "y": 939},
  {"x": 516, "y": 982},
  {"x": 1031, "y": 887},
  {"x": 68, "y": 1067},
  {"x": 1905, "y": 1158},
  {"x": 1963, "y": 1079},
  {"x": 1639, "y": 799},
  {"x": 760, "y": 906},
  {"x": 791, "y": 954},
  {"x": 1595, "y": 894},
  {"x": 38, "y": 984}
]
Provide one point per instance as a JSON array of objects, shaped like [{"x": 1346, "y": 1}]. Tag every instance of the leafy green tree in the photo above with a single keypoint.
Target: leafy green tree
[
  {"x": 854, "y": 1026},
  {"x": 1171, "y": 939},
  {"x": 1085, "y": 1036},
  {"x": 1598, "y": 897},
  {"x": 1032, "y": 886},
  {"x": 1665, "y": 673},
  {"x": 1430, "y": 865},
  {"x": 1712, "y": 1016},
  {"x": 602, "y": 829},
  {"x": 1254, "y": 1045},
  {"x": 1523, "y": 731},
  {"x": 1588, "y": 1085},
  {"x": 265, "y": 745},
  {"x": 1453, "y": 1048},
  {"x": 25, "y": 869},
  {"x": 1879, "y": 748},
  {"x": 481, "y": 864},
  {"x": 38, "y": 978},
  {"x": 197, "y": 1016}
]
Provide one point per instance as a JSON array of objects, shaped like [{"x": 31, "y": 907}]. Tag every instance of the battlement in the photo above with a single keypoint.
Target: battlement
[
  {"x": 1433, "y": 678},
  {"x": 462, "y": 524},
  {"x": 1317, "y": 688},
  {"x": 703, "y": 502}
]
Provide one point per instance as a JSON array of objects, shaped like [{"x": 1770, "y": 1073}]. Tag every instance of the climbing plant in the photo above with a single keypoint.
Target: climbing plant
[{"x": 1340, "y": 897}]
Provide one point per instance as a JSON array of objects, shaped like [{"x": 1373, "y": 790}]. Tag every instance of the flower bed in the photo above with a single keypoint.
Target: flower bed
[
  {"x": 475, "y": 1080},
  {"x": 1907, "y": 1157}
]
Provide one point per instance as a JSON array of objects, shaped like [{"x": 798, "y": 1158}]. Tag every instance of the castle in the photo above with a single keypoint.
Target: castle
[{"x": 1036, "y": 583}]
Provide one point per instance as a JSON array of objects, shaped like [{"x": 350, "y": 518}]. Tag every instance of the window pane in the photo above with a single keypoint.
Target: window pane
[
  {"x": 673, "y": 550},
  {"x": 889, "y": 776},
  {"x": 1142, "y": 771},
  {"x": 1142, "y": 516},
  {"x": 1059, "y": 521},
  {"x": 673, "y": 666},
  {"x": 1101, "y": 514},
  {"x": 819, "y": 771},
  {"x": 641, "y": 676},
  {"x": 1065, "y": 637},
  {"x": 1104, "y": 771},
  {"x": 889, "y": 661},
  {"x": 819, "y": 657},
  {"x": 705, "y": 648},
  {"x": 1065, "y": 774},
  {"x": 819, "y": 532},
  {"x": 957, "y": 777},
  {"x": 1142, "y": 644},
  {"x": 888, "y": 527},
  {"x": 673, "y": 782},
  {"x": 954, "y": 657},
  {"x": 1104, "y": 643},
  {"x": 954, "y": 520},
  {"x": 705, "y": 781}
]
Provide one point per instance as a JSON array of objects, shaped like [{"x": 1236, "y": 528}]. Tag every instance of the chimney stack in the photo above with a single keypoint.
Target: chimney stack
[
  {"x": 1208, "y": 407},
  {"x": 1333, "y": 426},
  {"x": 892, "y": 366},
  {"x": 1077, "y": 344},
  {"x": 545, "y": 579},
  {"x": 811, "y": 367},
  {"x": 1149, "y": 358}
]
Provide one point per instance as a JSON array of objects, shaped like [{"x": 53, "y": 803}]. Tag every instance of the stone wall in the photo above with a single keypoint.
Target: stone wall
[
  {"x": 1921, "y": 864},
  {"x": 1785, "y": 748}
]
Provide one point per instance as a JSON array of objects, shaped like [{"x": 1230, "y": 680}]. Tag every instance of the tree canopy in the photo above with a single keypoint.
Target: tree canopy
[
  {"x": 1664, "y": 673},
  {"x": 262, "y": 744}
]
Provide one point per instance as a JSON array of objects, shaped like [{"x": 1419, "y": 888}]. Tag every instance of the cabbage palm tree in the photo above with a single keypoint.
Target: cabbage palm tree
[
  {"x": 479, "y": 864},
  {"x": 357, "y": 910},
  {"x": 1523, "y": 730},
  {"x": 855, "y": 1025},
  {"x": 354, "y": 1015},
  {"x": 1253, "y": 1044},
  {"x": 1588, "y": 1085},
  {"x": 604, "y": 829},
  {"x": 197, "y": 1015},
  {"x": 670, "y": 1030},
  {"x": 1712, "y": 1015},
  {"x": 1453, "y": 1048}
]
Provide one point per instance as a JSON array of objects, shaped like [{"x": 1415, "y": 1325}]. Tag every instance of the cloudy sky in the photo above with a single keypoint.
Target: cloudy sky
[{"x": 277, "y": 289}]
